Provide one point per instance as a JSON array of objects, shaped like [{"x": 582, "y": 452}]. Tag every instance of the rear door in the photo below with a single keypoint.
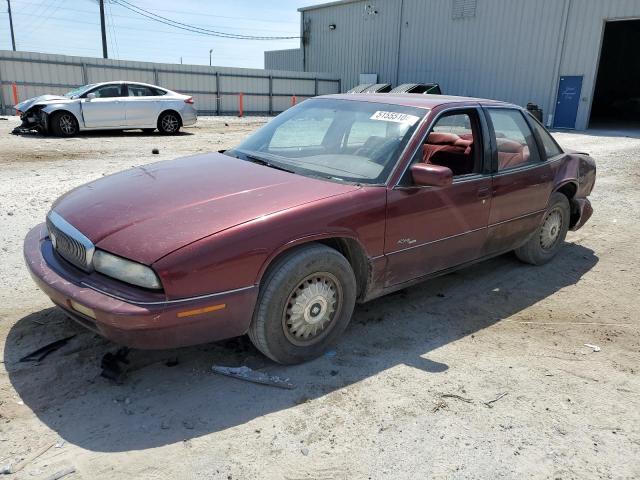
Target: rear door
[
  {"x": 142, "y": 105},
  {"x": 434, "y": 228},
  {"x": 106, "y": 109},
  {"x": 522, "y": 180}
]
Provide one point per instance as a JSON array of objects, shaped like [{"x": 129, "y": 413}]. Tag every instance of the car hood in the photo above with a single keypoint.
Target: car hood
[
  {"x": 147, "y": 212},
  {"x": 42, "y": 99}
]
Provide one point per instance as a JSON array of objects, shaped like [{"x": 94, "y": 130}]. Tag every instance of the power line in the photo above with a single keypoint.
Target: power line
[
  {"x": 191, "y": 28},
  {"x": 112, "y": 27},
  {"x": 120, "y": 27},
  {"x": 183, "y": 12},
  {"x": 47, "y": 12},
  {"x": 115, "y": 15}
]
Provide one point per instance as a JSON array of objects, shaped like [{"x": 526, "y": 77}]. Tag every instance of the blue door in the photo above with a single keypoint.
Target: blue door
[{"x": 568, "y": 101}]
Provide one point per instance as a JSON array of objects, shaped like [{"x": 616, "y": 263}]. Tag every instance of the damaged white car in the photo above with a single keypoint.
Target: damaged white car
[{"x": 108, "y": 106}]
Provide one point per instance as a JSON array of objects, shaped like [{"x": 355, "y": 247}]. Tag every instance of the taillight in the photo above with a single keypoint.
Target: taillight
[{"x": 189, "y": 101}]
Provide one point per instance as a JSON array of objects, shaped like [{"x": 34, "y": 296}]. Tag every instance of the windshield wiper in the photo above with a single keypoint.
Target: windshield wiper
[{"x": 262, "y": 161}]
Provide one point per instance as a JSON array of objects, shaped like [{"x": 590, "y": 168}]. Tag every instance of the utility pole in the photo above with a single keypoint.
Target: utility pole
[
  {"x": 104, "y": 31},
  {"x": 13, "y": 38}
]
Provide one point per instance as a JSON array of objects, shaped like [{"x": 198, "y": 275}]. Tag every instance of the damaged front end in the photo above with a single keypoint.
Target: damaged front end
[{"x": 33, "y": 120}]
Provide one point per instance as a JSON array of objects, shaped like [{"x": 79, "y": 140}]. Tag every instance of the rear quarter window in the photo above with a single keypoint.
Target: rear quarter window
[{"x": 551, "y": 147}]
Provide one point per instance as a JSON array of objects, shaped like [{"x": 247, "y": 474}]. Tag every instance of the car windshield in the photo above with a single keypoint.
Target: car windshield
[
  {"x": 78, "y": 91},
  {"x": 341, "y": 140}
]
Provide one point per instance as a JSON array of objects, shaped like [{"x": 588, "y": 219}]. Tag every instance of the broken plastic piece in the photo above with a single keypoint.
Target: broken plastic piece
[
  {"x": 245, "y": 373},
  {"x": 595, "y": 348},
  {"x": 39, "y": 354}
]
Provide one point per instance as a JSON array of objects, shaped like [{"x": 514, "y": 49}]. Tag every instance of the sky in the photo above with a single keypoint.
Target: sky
[{"x": 72, "y": 27}]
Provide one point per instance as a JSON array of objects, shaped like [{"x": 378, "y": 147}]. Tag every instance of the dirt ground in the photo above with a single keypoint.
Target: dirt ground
[{"x": 406, "y": 394}]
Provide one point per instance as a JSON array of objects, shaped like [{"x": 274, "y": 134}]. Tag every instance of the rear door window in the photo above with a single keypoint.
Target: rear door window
[
  {"x": 142, "y": 91},
  {"x": 515, "y": 142}
]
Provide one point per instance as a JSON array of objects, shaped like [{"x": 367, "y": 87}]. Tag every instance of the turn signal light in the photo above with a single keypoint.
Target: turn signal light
[{"x": 199, "y": 311}]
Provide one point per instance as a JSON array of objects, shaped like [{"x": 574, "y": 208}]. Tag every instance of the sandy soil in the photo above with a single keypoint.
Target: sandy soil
[{"x": 403, "y": 396}]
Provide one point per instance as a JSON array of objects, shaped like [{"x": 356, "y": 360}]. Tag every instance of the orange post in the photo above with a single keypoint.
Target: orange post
[
  {"x": 293, "y": 99},
  {"x": 240, "y": 104},
  {"x": 14, "y": 88}
]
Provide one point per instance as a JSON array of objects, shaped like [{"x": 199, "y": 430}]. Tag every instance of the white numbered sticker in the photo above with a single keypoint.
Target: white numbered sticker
[{"x": 394, "y": 117}]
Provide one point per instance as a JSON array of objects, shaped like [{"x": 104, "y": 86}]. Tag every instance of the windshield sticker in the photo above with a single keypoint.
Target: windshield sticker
[{"x": 394, "y": 117}]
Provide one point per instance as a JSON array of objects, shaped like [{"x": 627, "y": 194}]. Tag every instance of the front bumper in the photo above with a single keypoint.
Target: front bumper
[{"x": 140, "y": 323}]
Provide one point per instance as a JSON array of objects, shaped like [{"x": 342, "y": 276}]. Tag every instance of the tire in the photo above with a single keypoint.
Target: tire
[
  {"x": 305, "y": 303},
  {"x": 169, "y": 123},
  {"x": 64, "y": 124},
  {"x": 549, "y": 237}
]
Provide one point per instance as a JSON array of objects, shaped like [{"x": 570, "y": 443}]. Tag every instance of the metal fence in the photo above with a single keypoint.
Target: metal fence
[{"x": 216, "y": 90}]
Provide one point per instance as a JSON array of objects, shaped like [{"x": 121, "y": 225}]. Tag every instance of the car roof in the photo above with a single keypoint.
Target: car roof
[{"x": 419, "y": 100}]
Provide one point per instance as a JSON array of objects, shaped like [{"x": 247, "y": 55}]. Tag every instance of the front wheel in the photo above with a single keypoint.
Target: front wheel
[
  {"x": 305, "y": 303},
  {"x": 549, "y": 237},
  {"x": 64, "y": 124},
  {"x": 169, "y": 123}
]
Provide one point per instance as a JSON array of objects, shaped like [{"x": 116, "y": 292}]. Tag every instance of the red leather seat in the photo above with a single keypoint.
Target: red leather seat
[
  {"x": 449, "y": 150},
  {"x": 511, "y": 154}
]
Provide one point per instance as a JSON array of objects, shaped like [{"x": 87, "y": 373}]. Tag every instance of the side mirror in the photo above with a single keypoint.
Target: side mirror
[
  {"x": 91, "y": 96},
  {"x": 426, "y": 175}
]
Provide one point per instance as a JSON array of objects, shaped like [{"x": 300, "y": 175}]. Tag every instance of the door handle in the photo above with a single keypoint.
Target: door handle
[{"x": 484, "y": 192}]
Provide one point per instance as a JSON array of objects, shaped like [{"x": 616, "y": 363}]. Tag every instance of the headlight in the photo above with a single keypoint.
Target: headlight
[{"x": 125, "y": 270}]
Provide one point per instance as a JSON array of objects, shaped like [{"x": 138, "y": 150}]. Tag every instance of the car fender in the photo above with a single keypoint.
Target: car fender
[
  {"x": 169, "y": 107},
  {"x": 238, "y": 256},
  {"x": 72, "y": 108}
]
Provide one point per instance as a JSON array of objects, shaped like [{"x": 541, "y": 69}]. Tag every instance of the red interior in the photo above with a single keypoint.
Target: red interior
[
  {"x": 450, "y": 150},
  {"x": 511, "y": 154}
]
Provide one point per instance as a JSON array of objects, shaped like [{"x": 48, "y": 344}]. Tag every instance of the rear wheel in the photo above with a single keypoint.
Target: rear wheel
[
  {"x": 305, "y": 303},
  {"x": 169, "y": 123},
  {"x": 64, "y": 124},
  {"x": 549, "y": 237}
]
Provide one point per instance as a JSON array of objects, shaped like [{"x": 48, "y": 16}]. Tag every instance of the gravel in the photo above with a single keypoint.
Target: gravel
[{"x": 393, "y": 411}]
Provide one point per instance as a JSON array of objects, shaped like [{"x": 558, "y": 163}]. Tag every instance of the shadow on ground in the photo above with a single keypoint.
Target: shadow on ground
[{"x": 159, "y": 405}]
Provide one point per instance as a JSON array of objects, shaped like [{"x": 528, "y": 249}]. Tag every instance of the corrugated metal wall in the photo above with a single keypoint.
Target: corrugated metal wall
[
  {"x": 215, "y": 89},
  {"x": 290, "y": 60},
  {"x": 513, "y": 50}
]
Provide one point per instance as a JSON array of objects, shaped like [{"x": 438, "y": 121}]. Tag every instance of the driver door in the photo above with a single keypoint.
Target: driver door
[
  {"x": 107, "y": 108},
  {"x": 430, "y": 229}
]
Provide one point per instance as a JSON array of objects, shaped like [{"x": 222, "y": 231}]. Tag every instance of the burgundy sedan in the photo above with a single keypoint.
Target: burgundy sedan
[{"x": 338, "y": 200}]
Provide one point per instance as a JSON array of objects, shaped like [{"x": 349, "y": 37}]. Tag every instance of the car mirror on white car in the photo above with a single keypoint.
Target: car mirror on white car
[{"x": 91, "y": 96}]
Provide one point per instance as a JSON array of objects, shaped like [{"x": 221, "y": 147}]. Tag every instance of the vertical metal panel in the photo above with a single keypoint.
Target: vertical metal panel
[
  {"x": 290, "y": 60},
  {"x": 38, "y": 74},
  {"x": 365, "y": 40},
  {"x": 512, "y": 50}
]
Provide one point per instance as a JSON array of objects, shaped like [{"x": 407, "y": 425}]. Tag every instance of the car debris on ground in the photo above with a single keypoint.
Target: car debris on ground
[
  {"x": 40, "y": 354},
  {"x": 249, "y": 375}
]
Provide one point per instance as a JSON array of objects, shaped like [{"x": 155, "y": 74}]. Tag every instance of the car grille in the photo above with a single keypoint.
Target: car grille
[{"x": 69, "y": 243}]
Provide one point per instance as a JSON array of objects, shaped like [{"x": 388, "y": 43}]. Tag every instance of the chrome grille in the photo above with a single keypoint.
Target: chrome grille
[{"x": 70, "y": 244}]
